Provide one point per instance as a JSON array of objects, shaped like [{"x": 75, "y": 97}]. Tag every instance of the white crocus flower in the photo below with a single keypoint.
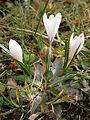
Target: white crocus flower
[
  {"x": 15, "y": 50},
  {"x": 74, "y": 44},
  {"x": 51, "y": 25}
]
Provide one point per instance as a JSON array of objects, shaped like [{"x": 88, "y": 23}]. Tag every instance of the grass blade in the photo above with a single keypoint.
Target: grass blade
[{"x": 37, "y": 28}]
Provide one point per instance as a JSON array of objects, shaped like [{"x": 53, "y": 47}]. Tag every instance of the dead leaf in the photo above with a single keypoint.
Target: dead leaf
[
  {"x": 34, "y": 116},
  {"x": 11, "y": 83}
]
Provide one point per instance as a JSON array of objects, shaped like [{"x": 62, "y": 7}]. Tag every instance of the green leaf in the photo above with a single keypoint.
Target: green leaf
[
  {"x": 64, "y": 99},
  {"x": 58, "y": 96},
  {"x": 66, "y": 53},
  {"x": 33, "y": 58},
  {"x": 2, "y": 87},
  {"x": 1, "y": 102},
  {"x": 39, "y": 41},
  {"x": 62, "y": 79},
  {"x": 48, "y": 75},
  {"x": 57, "y": 67},
  {"x": 3, "y": 73},
  {"x": 86, "y": 50},
  {"x": 36, "y": 103},
  {"x": 26, "y": 68}
]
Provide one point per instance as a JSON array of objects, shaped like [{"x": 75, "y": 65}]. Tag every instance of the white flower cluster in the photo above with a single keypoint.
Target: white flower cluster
[{"x": 51, "y": 25}]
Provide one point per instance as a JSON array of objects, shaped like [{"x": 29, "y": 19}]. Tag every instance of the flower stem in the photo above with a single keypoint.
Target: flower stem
[
  {"x": 50, "y": 51},
  {"x": 50, "y": 45}
]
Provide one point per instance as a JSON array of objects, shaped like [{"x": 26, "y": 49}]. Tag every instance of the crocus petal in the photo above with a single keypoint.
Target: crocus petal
[
  {"x": 45, "y": 20},
  {"x": 74, "y": 44},
  {"x": 51, "y": 17},
  {"x": 52, "y": 24},
  {"x": 81, "y": 37},
  {"x": 15, "y": 50},
  {"x": 71, "y": 39},
  {"x": 46, "y": 24},
  {"x": 57, "y": 22}
]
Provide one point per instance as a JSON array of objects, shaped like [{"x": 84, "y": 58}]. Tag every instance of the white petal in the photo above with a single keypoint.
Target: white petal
[
  {"x": 71, "y": 39},
  {"x": 51, "y": 17},
  {"x": 58, "y": 16},
  {"x": 74, "y": 44},
  {"x": 56, "y": 23},
  {"x": 81, "y": 38},
  {"x": 74, "y": 47},
  {"x": 49, "y": 28},
  {"x": 52, "y": 24},
  {"x": 45, "y": 20},
  {"x": 15, "y": 50}
]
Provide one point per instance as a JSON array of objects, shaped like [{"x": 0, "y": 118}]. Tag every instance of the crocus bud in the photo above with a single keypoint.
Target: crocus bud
[
  {"x": 74, "y": 44},
  {"x": 15, "y": 50},
  {"x": 51, "y": 25}
]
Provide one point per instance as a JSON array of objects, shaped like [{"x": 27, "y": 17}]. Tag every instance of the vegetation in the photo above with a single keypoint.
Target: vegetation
[{"x": 44, "y": 83}]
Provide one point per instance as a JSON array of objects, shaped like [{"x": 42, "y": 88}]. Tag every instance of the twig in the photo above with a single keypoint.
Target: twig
[
  {"x": 8, "y": 112},
  {"x": 31, "y": 32},
  {"x": 22, "y": 116}
]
